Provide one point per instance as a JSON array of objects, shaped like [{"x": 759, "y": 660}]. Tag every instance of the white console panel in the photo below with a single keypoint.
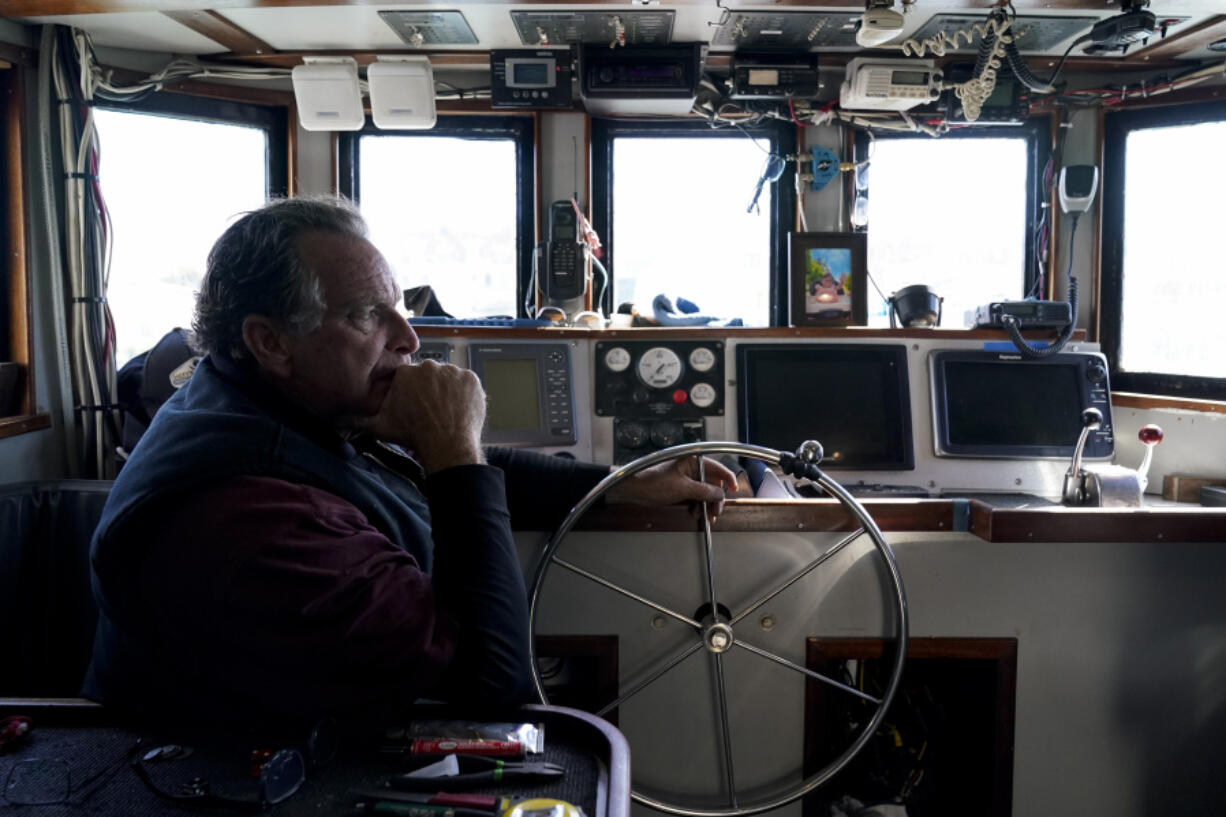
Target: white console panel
[{"x": 937, "y": 475}]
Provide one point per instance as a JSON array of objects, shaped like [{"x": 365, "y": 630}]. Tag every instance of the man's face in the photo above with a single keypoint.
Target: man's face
[{"x": 345, "y": 367}]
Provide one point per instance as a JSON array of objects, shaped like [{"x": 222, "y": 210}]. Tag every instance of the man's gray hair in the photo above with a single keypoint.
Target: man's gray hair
[{"x": 255, "y": 268}]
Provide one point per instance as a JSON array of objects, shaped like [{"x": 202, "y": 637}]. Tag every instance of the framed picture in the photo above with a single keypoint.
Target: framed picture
[{"x": 826, "y": 273}]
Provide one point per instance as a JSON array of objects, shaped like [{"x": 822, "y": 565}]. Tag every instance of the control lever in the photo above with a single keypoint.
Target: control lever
[
  {"x": 1108, "y": 485},
  {"x": 1076, "y": 481},
  {"x": 1150, "y": 435}
]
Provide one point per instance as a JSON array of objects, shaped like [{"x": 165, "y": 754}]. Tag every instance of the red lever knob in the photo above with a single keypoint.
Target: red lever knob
[{"x": 1150, "y": 434}]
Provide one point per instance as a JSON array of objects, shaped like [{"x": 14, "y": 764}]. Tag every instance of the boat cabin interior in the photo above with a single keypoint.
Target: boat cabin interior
[{"x": 939, "y": 279}]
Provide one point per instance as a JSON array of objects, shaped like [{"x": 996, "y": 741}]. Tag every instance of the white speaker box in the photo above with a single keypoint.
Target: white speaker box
[
  {"x": 402, "y": 93},
  {"x": 327, "y": 93}
]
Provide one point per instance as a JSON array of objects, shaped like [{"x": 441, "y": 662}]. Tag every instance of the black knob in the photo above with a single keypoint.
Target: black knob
[
  {"x": 1091, "y": 418},
  {"x": 810, "y": 452},
  {"x": 1096, "y": 373}
]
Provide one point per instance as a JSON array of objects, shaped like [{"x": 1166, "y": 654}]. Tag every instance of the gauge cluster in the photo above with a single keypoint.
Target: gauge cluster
[{"x": 658, "y": 393}]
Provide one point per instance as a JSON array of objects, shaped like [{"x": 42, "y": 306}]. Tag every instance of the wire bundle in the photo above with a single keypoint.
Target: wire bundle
[
  {"x": 1116, "y": 95},
  {"x": 87, "y": 249}
]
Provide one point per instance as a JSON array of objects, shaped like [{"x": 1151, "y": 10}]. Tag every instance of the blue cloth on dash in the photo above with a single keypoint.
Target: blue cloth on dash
[{"x": 663, "y": 311}]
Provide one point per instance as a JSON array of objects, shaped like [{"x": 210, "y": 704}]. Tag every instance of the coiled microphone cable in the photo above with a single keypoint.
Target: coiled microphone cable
[{"x": 1011, "y": 323}]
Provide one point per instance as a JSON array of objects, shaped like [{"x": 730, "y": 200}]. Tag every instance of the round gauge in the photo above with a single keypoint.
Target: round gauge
[
  {"x": 659, "y": 367},
  {"x": 702, "y": 359},
  {"x": 617, "y": 359},
  {"x": 666, "y": 433},
  {"x": 631, "y": 434},
  {"x": 702, "y": 394}
]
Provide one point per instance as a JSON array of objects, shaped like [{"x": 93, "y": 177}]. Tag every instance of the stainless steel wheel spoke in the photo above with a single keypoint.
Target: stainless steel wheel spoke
[
  {"x": 805, "y": 670},
  {"x": 809, "y": 568},
  {"x": 637, "y": 688},
  {"x": 706, "y": 534},
  {"x": 616, "y": 588},
  {"x": 726, "y": 732}
]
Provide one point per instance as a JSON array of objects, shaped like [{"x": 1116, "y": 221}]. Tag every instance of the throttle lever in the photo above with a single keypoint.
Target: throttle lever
[
  {"x": 1150, "y": 435},
  {"x": 1074, "y": 479}
]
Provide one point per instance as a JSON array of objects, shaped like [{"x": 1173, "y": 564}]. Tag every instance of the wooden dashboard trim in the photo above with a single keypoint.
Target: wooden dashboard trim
[
  {"x": 1055, "y": 524},
  {"x": 1124, "y": 399},
  {"x": 664, "y": 333}
]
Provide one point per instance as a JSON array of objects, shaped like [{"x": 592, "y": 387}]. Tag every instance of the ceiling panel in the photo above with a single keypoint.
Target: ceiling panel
[
  {"x": 140, "y": 30},
  {"x": 361, "y": 28},
  {"x": 358, "y": 27}
]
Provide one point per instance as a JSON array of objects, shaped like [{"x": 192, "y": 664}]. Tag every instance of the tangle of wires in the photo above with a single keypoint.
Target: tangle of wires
[
  {"x": 87, "y": 249},
  {"x": 79, "y": 82},
  {"x": 453, "y": 91},
  {"x": 1042, "y": 231},
  {"x": 1110, "y": 95},
  {"x": 719, "y": 112},
  {"x": 896, "y": 765}
]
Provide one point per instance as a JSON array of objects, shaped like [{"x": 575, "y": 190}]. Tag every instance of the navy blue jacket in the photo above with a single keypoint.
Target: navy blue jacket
[{"x": 225, "y": 424}]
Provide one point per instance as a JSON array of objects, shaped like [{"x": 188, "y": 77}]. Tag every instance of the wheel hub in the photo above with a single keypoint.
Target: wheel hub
[{"x": 718, "y": 637}]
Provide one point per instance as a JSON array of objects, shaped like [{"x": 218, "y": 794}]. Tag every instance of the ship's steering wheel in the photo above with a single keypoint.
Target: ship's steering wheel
[{"x": 721, "y": 632}]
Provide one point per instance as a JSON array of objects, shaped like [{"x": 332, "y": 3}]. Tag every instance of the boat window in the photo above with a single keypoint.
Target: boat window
[
  {"x": 150, "y": 153},
  {"x": 955, "y": 214},
  {"x": 451, "y": 207},
  {"x": 1162, "y": 281},
  {"x": 672, "y": 204}
]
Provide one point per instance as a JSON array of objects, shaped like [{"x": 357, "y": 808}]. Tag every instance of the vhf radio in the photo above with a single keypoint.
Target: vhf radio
[{"x": 562, "y": 267}]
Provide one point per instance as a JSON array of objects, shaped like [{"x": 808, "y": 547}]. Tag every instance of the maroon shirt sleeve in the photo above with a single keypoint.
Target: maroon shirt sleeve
[{"x": 282, "y": 592}]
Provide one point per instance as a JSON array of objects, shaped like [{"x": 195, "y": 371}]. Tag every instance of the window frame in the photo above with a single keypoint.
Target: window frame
[
  {"x": 1117, "y": 125},
  {"x": 273, "y": 119},
  {"x": 520, "y": 128},
  {"x": 782, "y": 213},
  {"x": 16, "y": 295},
  {"x": 1036, "y": 130}
]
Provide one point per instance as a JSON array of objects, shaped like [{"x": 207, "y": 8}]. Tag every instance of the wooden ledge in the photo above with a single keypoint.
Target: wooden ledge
[
  {"x": 946, "y": 515},
  {"x": 1126, "y": 399},
  {"x": 12, "y": 426}
]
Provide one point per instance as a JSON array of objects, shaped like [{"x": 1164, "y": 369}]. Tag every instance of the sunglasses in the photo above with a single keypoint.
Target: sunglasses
[{"x": 280, "y": 776}]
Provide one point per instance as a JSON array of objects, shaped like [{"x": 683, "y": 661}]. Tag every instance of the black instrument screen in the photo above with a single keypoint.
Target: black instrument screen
[
  {"x": 1003, "y": 404},
  {"x": 997, "y": 404},
  {"x": 854, "y": 400}
]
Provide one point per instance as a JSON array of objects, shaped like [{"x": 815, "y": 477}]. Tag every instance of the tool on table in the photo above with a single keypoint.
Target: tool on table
[
  {"x": 466, "y": 770},
  {"x": 400, "y": 809},
  {"x": 487, "y": 803}
]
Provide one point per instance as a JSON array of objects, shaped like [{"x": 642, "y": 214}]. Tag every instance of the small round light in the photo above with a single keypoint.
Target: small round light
[
  {"x": 1217, "y": 45},
  {"x": 916, "y": 306}
]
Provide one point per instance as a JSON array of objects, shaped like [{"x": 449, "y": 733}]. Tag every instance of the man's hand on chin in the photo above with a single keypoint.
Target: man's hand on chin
[
  {"x": 435, "y": 409},
  {"x": 676, "y": 481}
]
